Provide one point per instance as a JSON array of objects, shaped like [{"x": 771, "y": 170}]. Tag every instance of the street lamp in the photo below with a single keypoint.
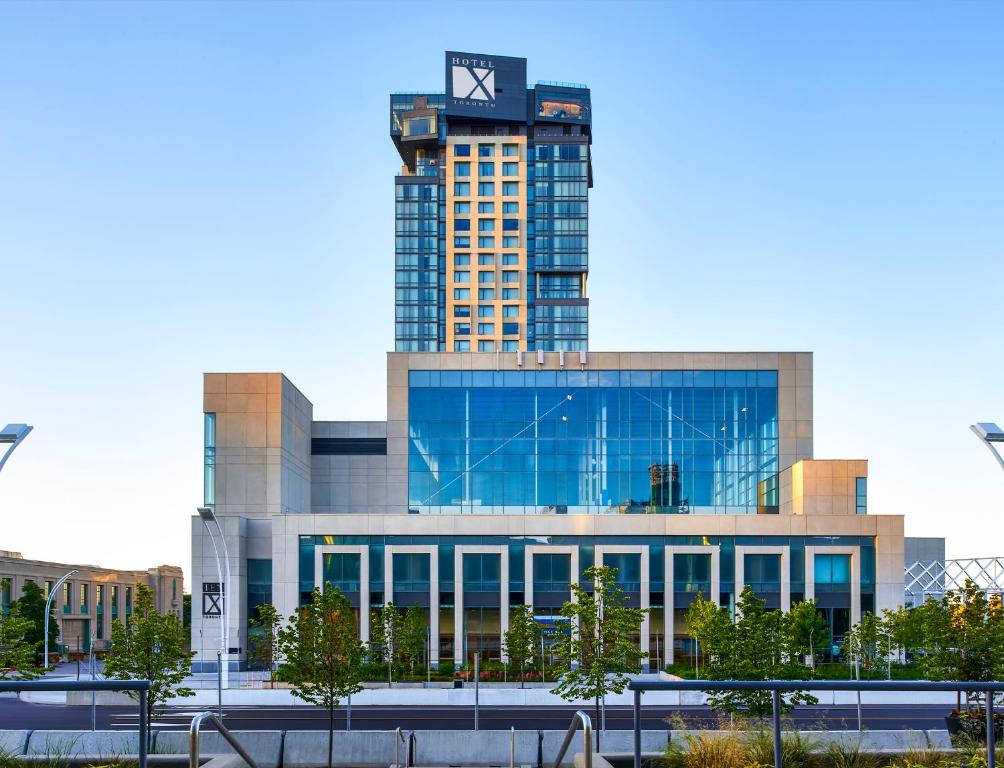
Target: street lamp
[
  {"x": 12, "y": 435},
  {"x": 990, "y": 433},
  {"x": 208, "y": 516},
  {"x": 48, "y": 603}
]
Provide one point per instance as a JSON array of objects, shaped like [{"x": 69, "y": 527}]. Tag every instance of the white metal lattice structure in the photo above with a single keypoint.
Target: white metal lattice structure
[{"x": 933, "y": 578}]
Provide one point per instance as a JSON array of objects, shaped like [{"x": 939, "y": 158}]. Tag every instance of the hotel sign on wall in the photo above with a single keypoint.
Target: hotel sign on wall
[{"x": 480, "y": 85}]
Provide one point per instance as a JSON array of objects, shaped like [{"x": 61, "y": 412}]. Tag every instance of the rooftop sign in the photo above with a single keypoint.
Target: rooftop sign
[{"x": 483, "y": 86}]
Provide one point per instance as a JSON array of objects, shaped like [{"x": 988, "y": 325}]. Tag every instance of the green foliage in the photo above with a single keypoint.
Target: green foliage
[
  {"x": 759, "y": 645},
  {"x": 31, "y": 606},
  {"x": 868, "y": 642},
  {"x": 322, "y": 652},
  {"x": 17, "y": 652},
  {"x": 263, "y": 639},
  {"x": 809, "y": 632},
  {"x": 597, "y": 653},
  {"x": 150, "y": 646},
  {"x": 411, "y": 637},
  {"x": 520, "y": 639}
]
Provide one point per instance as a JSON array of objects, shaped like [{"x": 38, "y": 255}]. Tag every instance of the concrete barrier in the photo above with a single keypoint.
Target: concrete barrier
[
  {"x": 102, "y": 699},
  {"x": 357, "y": 748},
  {"x": 265, "y": 747},
  {"x": 13, "y": 742},
  {"x": 939, "y": 740},
  {"x": 70, "y": 743}
]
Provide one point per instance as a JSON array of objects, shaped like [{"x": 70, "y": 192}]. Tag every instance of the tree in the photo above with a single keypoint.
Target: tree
[
  {"x": 759, "y": 645},
  {"x": 263, "y": 640},
  {"x": 862, "y": 641},
  {"x": 809, "y": 630},
  {"x": 520, "y": 639},
  {"x": 17, "y": 652},
  {"x": 707, "y": 625},
  {"x": 31, "y": 606},
  {"x": 150, "y": 646},
  {"x": 323, "y": 654},
  {"x": 597, "y": 653},
  {"x": 386, "y": 631},
  {"x": 411, "y": 637},
  {"x": 905, "y": 630}
]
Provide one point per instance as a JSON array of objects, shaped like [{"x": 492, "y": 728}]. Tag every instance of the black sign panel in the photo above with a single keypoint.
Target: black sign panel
[
  {"x": 480, "y": 85},
  {"x": 212, "y": 599}
]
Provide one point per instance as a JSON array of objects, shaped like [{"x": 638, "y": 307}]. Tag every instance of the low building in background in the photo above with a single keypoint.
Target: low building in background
[{"x": 87, "y": 603}]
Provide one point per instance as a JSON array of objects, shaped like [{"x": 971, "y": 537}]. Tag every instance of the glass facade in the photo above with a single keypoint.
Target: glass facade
[
  {"x": 417, "y": 265},
  {"x": 209, "y": 476},
  {"x": 545, "y": 214},
  {"x": 593, "y": 442},
  {"x": 560, "y": 244}
]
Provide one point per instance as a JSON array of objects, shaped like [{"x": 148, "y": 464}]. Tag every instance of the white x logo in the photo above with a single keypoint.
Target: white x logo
[{"x": 474, "y": 83}]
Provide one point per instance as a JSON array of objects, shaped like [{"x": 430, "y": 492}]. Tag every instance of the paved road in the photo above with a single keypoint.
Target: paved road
[{"x": 18, "y": 714}]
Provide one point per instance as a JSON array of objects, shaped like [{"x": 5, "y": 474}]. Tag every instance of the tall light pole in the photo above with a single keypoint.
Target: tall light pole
[
  {"x": 45, "y": 619},
  {"x": 11, "y": 436},
  {"x": 990, "y": 434},
  {"x": 208, "y": 516}
]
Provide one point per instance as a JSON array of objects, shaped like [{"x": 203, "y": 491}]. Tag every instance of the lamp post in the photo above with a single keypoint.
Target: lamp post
[
  {"x": 45, "y": 620},
  {"x": 11, "y": 436},
  {"x": 990, "y": 434},
  {"x": 222, "y": 566}
]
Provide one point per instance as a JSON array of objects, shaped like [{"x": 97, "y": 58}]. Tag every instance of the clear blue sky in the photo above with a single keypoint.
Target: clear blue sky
[{"x": 196, "y": 186}]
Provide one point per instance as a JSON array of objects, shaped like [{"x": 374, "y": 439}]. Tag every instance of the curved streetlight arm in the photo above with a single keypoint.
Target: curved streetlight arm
[
  {"x": 12, "y": 435},
  {"x": 48, "y": 604},
  {"x": 988, "y": 440}
]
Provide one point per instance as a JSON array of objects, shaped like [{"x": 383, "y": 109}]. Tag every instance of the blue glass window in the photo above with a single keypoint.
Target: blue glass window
[
  {"x": 510, "y": 188},
  {"x": 616, "y": 442},
  {"x": 861, "y": 495},
  {"x": 461, "y": 169},
  {"x": 833, "y": 569},
  {"x": 486, "y": 150},
  {"x": 461, "y": 150}
]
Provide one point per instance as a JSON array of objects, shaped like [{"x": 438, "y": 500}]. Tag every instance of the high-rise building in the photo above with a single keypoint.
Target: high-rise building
[
  {"x": 492, "y": 211},
  {"x": 499, "y": 477}
]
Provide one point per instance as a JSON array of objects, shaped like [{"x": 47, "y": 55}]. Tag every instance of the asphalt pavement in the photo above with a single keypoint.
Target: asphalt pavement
[{"x": 16, "y": 714}]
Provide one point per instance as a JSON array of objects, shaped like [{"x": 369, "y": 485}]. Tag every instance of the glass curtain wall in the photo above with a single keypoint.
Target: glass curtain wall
[{"x": 593, "y": 442}]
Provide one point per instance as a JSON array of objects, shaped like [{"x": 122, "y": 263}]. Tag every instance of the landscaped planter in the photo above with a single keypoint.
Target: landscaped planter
[{"x": 974, "y": 725}]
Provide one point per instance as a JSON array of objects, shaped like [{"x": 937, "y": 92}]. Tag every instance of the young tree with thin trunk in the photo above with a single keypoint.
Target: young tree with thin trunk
[
  {"x": 263, "y": 641},
  {"x": 412, "y": 637},
  {"x": 597, "y": 654},
  {"x": 385, "y": 638},
  {"x": 150, "y": 646},
  {"x": 519, "y": 640},
  {"x": 322, "y": 653}
]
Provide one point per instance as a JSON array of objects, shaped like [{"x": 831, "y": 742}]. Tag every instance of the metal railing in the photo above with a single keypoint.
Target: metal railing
[
  {"x": 409, "y": 745},
  {"x": 141, "y": 686},
  {"x": 777, "y": 687},
  {"x": 193, "y": 739},
  {"x": 587, "y": 739}
]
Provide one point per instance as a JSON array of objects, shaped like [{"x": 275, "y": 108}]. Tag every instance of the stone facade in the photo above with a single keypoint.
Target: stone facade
[{"x": 88, "y": 602}]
